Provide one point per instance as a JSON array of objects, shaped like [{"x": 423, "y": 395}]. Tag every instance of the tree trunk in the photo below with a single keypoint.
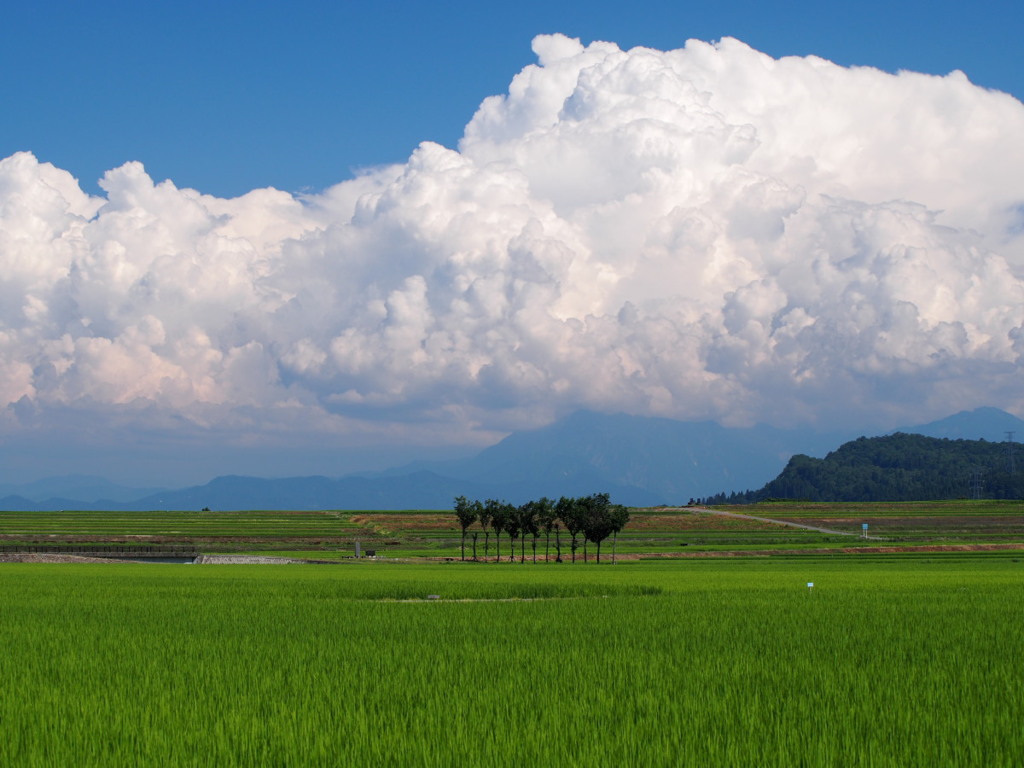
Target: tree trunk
[
  {"x": 599, "y": 551},
  {"x": 584, "y": 549},
  {"x": 574, "y": 548},
  {"x": 487, "y": 544},
  {"x": 558, "y": 545},
  {"x": 547, "y": 547},
  {"x": 497, "y": 546},
  {"x": 534, "y": 550},
  {"x": 615, "y": 538},
  {"x": 463, "y": 543},
  {"x": 475, "y": 534}
]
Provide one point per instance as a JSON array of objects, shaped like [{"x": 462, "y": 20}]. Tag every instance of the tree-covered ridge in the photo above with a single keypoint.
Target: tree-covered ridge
[{"x": 898, "y": 467}]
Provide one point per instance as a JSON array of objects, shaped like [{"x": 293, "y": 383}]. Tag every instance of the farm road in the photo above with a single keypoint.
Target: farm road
[{"x": 830, "y": 531}]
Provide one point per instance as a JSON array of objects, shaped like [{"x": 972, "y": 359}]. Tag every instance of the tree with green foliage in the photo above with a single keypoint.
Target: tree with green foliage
[
  {"x": 484, "y": 516},
  {"x": 547, "y": 521},
  {"x": 620, "y": 516},
  {"x": 528, "y": 524},
  {"x": 499, "y": 513},
  {"x": 466, "y": 513},
  {"x": 513, "y": 528},
  {"x": 597, "y": 519},
  {"x": 478, "y": 510},
  {"x": 570, "y": 513}
]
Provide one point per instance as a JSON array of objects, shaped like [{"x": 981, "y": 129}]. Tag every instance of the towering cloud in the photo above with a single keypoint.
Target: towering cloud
[{"x": 700, "y": 233}]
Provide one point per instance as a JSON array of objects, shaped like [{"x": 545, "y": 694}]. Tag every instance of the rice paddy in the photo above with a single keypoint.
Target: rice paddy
[
  {"x": 330, "y": 535},
  {"x": 888, "y": 660},
  {"x": 896, "y": 656}
]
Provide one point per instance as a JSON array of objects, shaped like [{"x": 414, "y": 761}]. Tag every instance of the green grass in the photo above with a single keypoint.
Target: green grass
[{"x": 897, "y": 661}]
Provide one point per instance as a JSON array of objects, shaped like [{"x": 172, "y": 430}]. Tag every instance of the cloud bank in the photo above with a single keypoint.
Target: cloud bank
[{"x": 704, "y": 233}]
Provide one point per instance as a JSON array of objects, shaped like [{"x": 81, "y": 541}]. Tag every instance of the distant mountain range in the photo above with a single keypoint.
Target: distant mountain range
[
  {"x": 640, "y": 461},
  {"x": 81, "y": 487}
]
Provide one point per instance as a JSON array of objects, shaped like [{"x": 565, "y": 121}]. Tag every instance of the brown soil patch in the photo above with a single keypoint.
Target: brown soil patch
[
  {"x": 696, "y": 522},
  {"x": 391, "y": 524}
]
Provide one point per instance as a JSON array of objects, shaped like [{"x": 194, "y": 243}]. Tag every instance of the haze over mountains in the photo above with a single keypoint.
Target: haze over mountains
[{"x": 640, "y": 461}]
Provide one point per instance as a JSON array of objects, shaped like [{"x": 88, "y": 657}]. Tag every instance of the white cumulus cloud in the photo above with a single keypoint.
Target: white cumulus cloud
[{"x": 704, "y": 233}]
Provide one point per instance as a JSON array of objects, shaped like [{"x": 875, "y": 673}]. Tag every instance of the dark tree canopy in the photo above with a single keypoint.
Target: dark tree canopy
[
  {"x": 897, "y": 467},
  {"x": 467, "y": 514},
  {"x": 593, "y": 516}
]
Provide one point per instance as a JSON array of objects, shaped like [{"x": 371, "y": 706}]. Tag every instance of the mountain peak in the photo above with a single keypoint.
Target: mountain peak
[{"x": 984, "y": 423}]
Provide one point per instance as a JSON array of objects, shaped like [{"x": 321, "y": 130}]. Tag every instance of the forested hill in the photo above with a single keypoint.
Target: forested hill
[{"x": 897, "y": 467}]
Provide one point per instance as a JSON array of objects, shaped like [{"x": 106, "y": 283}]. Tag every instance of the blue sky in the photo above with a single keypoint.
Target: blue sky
[
  {"x": 701, "y": 233},
  {"x": 227, "y": 97}
]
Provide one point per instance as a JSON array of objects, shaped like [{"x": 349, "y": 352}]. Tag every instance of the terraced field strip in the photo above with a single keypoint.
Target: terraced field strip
[
  {"x": 806, "y": 525},
  {"x": 187, "y": 525},
  {"x": 649, "y": 530},
  {"x": 986, "y": 521},
  {"x": 435, "y": 533},
  {"x": 704, "y": 522},
  {"x": 670, "y": 529}
]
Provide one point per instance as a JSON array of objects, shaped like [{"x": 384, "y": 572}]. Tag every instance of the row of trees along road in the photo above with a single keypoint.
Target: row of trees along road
[{"x": 594, "y": 516}]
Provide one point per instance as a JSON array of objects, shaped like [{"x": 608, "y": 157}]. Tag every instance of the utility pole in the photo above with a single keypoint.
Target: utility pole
[{"x": 976, "y": 484}]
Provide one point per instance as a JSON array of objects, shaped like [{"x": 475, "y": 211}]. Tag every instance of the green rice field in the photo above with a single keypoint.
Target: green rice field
[{"x": 889, "y": 660}]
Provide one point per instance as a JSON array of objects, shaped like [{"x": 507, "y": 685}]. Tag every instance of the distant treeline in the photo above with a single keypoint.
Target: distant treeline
[{"x": 897, "y": 467}]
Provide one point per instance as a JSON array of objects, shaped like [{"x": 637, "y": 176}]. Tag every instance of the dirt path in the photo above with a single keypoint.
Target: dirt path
[
  {"x": 851, "y": 551},
  {"x": 32, "y": 557},
  {"x": 829, "y": 531}
]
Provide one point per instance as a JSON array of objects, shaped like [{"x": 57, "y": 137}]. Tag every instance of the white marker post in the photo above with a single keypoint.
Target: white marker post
[{"x": 810, "y": 586}]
